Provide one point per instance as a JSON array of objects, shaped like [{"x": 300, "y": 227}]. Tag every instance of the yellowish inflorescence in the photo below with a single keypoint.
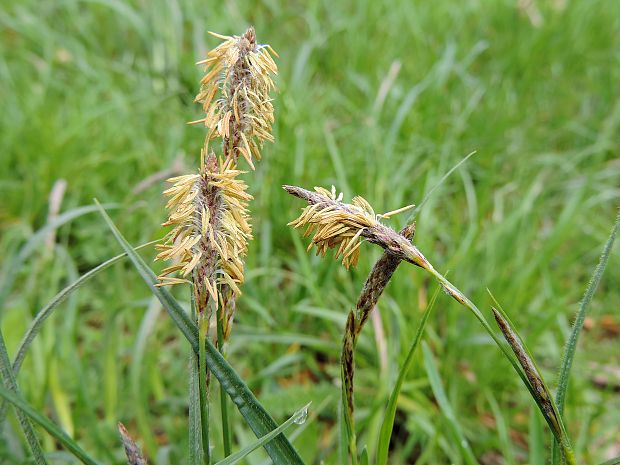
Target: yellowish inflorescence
[
  {"x": 208, "y": 209},
  {"x": 339, "y": 226}
]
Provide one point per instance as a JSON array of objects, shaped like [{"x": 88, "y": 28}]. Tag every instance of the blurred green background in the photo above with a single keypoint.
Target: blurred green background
[{"x": 377, "y": 98}]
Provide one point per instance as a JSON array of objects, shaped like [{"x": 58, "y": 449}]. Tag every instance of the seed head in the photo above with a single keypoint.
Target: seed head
[
  {"x": 235, "y": 95},
  {"x": 211, "y": 227},
  {"x": 337, "y": 225}
]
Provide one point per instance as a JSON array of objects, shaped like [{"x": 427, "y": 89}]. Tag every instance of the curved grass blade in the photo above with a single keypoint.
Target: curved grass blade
[
  {"x": 427, "y": 196},
  {"x": 10, "y": 271},
  {"x": 390, "y": 412},
  {"x": 298, "y": 417},
  {"x": 50, "y": 427},
  {"x": 446, "y": 408},
  {"x": 571, "y": 344},
  {"x": 8, "y": 378},
  {"x": 280, "y": 449},
  {"x": 45, "y": 312}
]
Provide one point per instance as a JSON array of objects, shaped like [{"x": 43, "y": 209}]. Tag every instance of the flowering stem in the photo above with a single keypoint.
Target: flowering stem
[
  {"x": 223, "y": 400},
  {"x": 203, "y": 325},
  {"x": 347, "y": 365}
]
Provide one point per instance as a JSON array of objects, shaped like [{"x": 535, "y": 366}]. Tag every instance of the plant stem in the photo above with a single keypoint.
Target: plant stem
[
  {"x": 203, "y": 326},
  {"x": 223, "y": 401}
]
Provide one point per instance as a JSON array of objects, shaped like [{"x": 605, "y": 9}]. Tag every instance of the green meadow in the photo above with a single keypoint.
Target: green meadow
[{"x": 380, "y": 99}]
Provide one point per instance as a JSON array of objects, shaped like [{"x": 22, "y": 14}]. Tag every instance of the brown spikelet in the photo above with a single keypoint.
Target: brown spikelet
[
  {"x": 347, "y": 362},
  {"x": 539, "y": 388},
  {"x": 132, "y": 450},
  {"x": 377, "y": 280}
]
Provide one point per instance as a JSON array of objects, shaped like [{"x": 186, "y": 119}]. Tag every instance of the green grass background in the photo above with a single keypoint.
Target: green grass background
[{"x": 97, "y": 92}]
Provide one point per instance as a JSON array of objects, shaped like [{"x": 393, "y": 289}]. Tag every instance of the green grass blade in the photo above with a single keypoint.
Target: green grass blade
[
  {"x": 536, "y": 443},
  {"x": 45, "y": 312},
  {"x": 427, "y": 196},
  {"x": 10, "y": 271},
  {"x": 502, "y": 430},
  {"x": 8, "y": 378},
  {"x": 280, "y": 449},
  {"x": 298, "y": 417},
  {"x": 390, "y": 412},
  {"x": 446, "y": 408},
  {"x": 50, "y": 427},
  {"x": 571, "y": 344}
]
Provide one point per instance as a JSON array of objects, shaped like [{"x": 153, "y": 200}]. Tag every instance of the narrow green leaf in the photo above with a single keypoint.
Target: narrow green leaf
[
  {"x": 502, "y": 430},
  {"x": 445, "y": 407},
  {"x": 364, "y": 459},
  {"x": 45, "y": 312},
  {"x": 10, "y": 383},
  {"x": 298, "y": 417},
  {"x": 50, "y": 427},
  {"x": 571, "y": 343},
  {"x": 387, "y": 426},
  {"x": 427, "y": 196},
  {"x": 280, "y": 449},
  {"x": 536, "y": 443},
  {"x": 14, "y": 265}
]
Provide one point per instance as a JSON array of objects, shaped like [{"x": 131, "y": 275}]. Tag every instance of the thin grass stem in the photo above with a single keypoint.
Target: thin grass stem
[
  {"x": 226, "y": 436},
  {"x": 203, "y": 325}
]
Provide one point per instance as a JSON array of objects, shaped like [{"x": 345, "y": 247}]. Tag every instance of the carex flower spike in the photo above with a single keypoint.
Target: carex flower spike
[
  {"x": 235, "y": 96},
  {"x": 209, "y": 209}
]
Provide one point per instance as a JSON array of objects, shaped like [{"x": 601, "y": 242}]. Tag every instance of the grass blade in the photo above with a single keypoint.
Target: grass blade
[
  {"x": 10, "y": 271},
  {"x": 427, "y": 196},
  {"x": 536, "y": 443},
  {"x": 8, "y": 378},
  {"x": 50, "y": 427},
  {"x": 390, "y": 412},
  {"x": 280, "y": 449},
  {"x": 445, "y": 407},
  {"x": 45, "y": 312},
  {"x": 571, "y": 344},
  {"x": 298, "y": 417}
]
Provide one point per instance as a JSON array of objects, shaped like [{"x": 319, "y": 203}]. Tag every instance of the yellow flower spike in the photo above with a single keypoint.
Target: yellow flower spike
[{"x": 337, "y": 225}]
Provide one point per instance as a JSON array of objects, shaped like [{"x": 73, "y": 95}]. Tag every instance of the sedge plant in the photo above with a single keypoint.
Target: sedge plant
[
  {"x": 206, "y": 250},
  {"x": 343, "y": 227}
]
